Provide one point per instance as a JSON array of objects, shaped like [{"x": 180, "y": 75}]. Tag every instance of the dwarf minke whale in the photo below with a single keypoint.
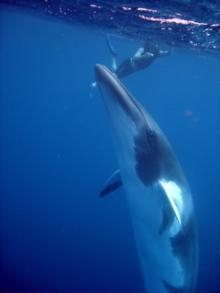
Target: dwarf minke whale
[{"x": 156, "y": 190}]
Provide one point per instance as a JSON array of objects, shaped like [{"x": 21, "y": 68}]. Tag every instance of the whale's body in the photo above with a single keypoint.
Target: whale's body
[{"x": 156, "y": 190}]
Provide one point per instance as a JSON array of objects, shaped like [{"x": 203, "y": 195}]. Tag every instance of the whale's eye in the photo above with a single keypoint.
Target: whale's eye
[
  {"x": 150, "y": 133},
  {"x": 151, "y": 138}
]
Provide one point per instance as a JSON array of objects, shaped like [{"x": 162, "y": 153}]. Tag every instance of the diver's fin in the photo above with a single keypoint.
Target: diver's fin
[
  {"x": 173, "y": 194},
  {"x": 113, "y": 183},
  {"x": 112, "y": 52},
  {"x": 110, "y": 47}
]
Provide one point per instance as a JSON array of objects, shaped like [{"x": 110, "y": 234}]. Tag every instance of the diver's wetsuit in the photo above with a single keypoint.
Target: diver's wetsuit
[
  {"x": 144, "y": 57},
  {"x": 130, "y": 65}
]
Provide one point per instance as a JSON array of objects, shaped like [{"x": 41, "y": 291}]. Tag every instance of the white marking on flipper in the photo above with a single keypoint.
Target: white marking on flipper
[{"x": 174, "y": 196}]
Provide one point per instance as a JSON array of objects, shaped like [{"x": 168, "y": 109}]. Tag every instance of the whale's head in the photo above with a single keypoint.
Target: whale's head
[{"x": 137, "y": 136}]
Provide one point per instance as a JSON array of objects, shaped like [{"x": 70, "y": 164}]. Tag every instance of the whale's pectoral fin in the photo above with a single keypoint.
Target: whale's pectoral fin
[
  {"x": 113, "y": 183},
  {"x": 174, "y": 197}
]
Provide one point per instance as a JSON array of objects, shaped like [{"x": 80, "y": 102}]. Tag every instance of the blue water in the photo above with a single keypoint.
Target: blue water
[{"x": 56, "y": 152}]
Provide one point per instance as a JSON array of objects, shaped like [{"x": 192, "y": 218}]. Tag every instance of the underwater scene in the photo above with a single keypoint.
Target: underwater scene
[{"x": 110, "y": 146}]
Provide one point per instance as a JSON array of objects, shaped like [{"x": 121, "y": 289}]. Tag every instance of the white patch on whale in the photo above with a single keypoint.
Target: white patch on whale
[{"x": 174, "y": 195}]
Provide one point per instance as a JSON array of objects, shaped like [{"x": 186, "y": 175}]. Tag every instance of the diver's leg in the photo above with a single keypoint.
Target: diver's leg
[{"x": 125, "y": 68}]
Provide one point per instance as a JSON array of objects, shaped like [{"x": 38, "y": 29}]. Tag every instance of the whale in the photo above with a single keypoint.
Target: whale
[{"x": 156, "y": 190}]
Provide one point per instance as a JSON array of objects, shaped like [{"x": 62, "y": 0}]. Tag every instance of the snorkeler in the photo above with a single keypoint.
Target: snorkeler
[{"x": 143, "y": 57}]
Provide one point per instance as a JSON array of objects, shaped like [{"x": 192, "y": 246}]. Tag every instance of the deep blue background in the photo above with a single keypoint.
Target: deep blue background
[{"x": 56, "y": 152}]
